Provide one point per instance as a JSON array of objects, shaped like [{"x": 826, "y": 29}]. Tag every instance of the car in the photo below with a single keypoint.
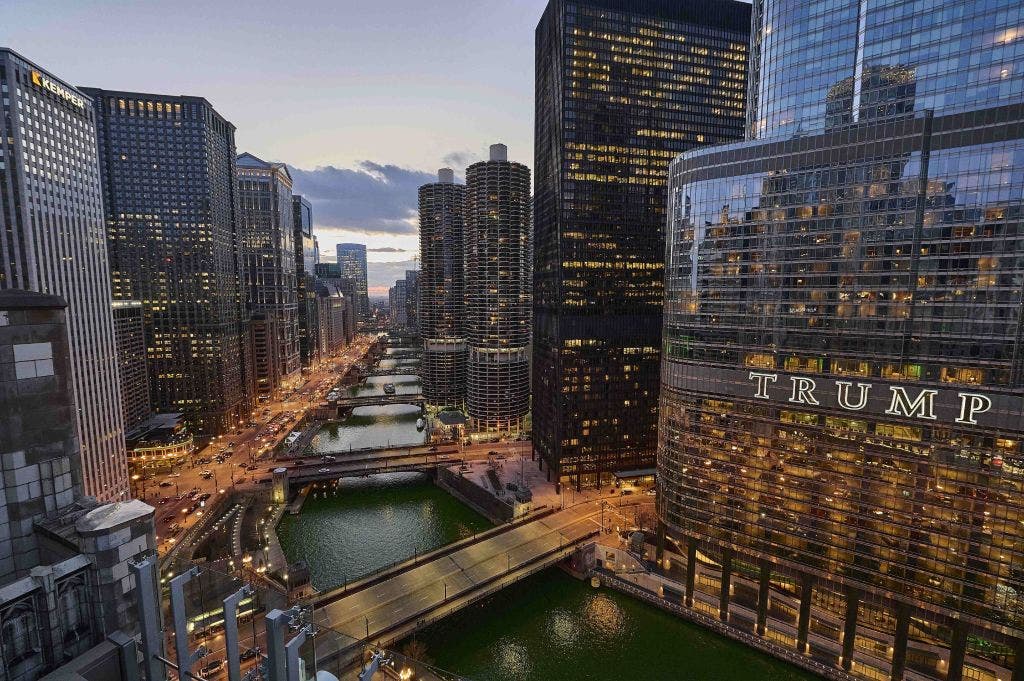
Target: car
[
  {"x": 442, "y": 456},
  {"x": 211, "y": 668},
  {"x": 174, "y": 475},
  {"x": 432, "y": 449},
  {"x": 250, "y": 653},
  {"x": 324, "y": 470},
  {"x": 166, "y": 483},
  {"x": 203, "y": 497}
]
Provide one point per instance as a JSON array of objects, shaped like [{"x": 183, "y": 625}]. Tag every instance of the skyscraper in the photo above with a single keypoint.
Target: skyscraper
[
  {"x": 130, "y": 337},
  {"x": 170, "y": 196},
  {"x": 397, "y": 305},
  {"x": 622, "y": 86},
  {"x": 442, "y": 290},
  {"x": 52, "y": 240},
  {"x": 352, "y": 261},
  {"x": 840, "y": 464},
  {"x": 267, "y": 234},
  {"x": 412, "y": 298},
  {"x": 497, "y": 235},
  {"x": 306, "y": 257}
]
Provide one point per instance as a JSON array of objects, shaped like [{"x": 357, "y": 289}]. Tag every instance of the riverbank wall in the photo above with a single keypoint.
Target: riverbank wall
[{"x": 474, "y": 496}]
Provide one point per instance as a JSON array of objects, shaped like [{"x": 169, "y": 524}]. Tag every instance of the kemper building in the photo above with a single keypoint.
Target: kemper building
[
  {"x": 53, "y": 240},
  {"x": 840, "y": 466},
  {"x": 622, "y": 87},
  {"x": 442, "y": 291}
]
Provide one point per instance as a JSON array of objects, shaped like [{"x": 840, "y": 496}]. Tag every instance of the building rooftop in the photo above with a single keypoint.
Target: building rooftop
[
  {"x": 17, "y": 299},
  {"x": 112, "y": 516}
]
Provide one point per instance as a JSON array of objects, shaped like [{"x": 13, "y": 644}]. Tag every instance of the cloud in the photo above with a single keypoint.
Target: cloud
[
  {"x": 460, "y": 160},
  {"x": 385, "y": 249},
  {"x": 384, "y": 274},
  {"x": 371, "y": 198}
]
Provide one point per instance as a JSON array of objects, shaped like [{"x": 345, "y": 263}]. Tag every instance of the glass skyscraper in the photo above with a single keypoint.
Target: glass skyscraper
[
  {"x": 840, "y": 466},
  {"x": 170, "y": 196},
  {"x": 52, "y": 240},
  {"x": 352, "y": 261},
  {"x": 622, "y": 86}
]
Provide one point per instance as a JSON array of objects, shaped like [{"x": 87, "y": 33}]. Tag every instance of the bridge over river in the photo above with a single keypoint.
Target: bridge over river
[{"x": 385, "y": 608}]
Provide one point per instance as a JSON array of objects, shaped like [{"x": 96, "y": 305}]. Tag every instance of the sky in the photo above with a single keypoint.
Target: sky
[{"x": 363, "y": 100}]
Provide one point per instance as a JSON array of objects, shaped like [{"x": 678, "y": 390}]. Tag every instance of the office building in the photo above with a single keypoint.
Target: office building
[
  {"x": 412, "y": 297},
  {"x": 130, "y": 338},
  {"x": 170, "y": 197},
  {"x": 352, "y": 263},
  {"x": 622, "y": 86},
  {"x": 442, "y": 291},
  {"x": 497, "y": 235},
  {"x": 840, "y": 465},
  {"x": 307, "y": 255},
  {"x": 397, "y": 305},
  {"x": 52, "y": 240},
  {"x": 267, "y": 232},
  {"x": 63, "y": 558}
]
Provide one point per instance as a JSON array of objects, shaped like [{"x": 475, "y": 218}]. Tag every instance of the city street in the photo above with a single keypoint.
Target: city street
[{"x": 175, "y": 495}]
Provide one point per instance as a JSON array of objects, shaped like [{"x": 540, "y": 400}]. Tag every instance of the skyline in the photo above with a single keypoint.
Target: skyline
[{"x": 362, "y": 176}]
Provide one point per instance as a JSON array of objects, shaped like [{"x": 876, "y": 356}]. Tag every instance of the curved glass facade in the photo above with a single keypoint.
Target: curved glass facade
[
  {"x": 840, "y": 464},
  {"x": 821, "y": 62}
]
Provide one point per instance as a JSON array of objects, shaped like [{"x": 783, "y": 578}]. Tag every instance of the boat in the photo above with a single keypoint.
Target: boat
[
  {"x": 420, "y": 424},
  {"x": 389, "y": 388}
]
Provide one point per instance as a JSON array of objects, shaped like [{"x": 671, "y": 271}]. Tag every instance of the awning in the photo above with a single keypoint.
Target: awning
[{"x": 635, "y": 473}]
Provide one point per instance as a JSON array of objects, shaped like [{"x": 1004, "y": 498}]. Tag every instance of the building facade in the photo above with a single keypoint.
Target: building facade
[
  {"x": 497, "y": 236},
  {"x": 397, "y": 304},
  {"x": 442, "y": 291},
  {"x": 267, "y": 231},
  {"x": 130, "y": 336},
  {"x": 63, "y": 558},
  {"x": 352, "y": 263},
  {"x": 52, "y": 240},
  {"x": 412, "y": 298},
  {"x": 307, "y": 254},
  {"x": 170, "y": 196},
  {"x": 622, "y": 86},
  {"x": 840, "y": 465}
]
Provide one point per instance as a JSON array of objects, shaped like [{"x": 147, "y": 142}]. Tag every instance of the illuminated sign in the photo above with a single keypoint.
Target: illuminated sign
[
  {"x": 69, "y": 96},
  {"x": 899, "y": 400}
]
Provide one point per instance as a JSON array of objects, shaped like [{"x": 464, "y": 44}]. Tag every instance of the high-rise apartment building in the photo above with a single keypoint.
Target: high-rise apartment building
[
  {"x": 497, "y": 236},
  {"x": 170, "y": 197},
  {"x": 442, "y": 291},
  {"x": 267, "y": 233},
  {"x": 52, "y": 240},
  {"x": 130, "y": 337},
  {"x": 352, "y": 263},
  {"x": 840, "y": 466},
  {"x": 622, "y": 86},
  {"x": 307, "y": 254}
]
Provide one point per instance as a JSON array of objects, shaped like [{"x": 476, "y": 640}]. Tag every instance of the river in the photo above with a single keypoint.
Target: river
[
  {"x": 552, "y": 626},
  {"x": 364, "y": 524}
]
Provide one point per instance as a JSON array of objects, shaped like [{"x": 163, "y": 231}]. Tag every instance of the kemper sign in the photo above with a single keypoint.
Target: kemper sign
[
  {"x": 854, "y": 396},
  {"x": 39, "y": 80}
]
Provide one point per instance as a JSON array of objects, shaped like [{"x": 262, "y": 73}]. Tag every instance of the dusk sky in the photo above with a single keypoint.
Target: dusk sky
[{"x": 364, "y": 100}]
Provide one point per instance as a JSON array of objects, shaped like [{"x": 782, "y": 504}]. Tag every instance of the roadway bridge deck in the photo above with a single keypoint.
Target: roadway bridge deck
[
  {"x": 374, "y": 400},
  {"x": 391, "y": 609},
  {"x": 304, "y": 475}
]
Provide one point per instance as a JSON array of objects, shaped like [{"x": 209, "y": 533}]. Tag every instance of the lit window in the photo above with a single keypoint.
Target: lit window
[{"x": 32, "y": 360}]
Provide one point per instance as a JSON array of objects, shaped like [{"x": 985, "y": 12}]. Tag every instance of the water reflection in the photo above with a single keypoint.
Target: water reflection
[
  {"x": 405, "y": 384},
  {"x": 392, "y": 425}
]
